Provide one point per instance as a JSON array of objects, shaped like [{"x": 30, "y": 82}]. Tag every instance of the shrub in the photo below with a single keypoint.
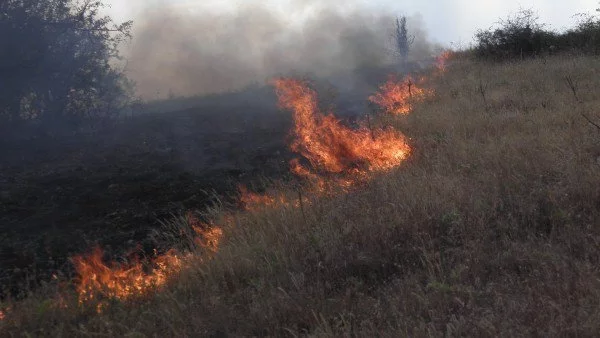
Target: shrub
[
  {"x": 585, "y": 37},
  {"x": 518, "y": 36},
  {"x": 522, "y": 36},
  {"x": 56, "y": 61}
]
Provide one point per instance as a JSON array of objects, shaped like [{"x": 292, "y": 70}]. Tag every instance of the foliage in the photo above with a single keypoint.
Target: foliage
[
  {"x": 584, "y": 37},
  {"x": 56, "y": 61},
  {"x": 518, "y": 36},
  {"x": 521, "y": 36}
]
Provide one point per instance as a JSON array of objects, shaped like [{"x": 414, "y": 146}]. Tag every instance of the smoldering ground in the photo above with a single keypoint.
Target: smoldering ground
[{"x": 184, "y": 52}]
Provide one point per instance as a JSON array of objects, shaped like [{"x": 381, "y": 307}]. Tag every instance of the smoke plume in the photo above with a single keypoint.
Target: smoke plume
[{"x": 180, "y": 51}]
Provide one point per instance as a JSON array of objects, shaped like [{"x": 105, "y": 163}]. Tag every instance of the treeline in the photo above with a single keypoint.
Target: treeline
[{"x": 523, "y": 36}]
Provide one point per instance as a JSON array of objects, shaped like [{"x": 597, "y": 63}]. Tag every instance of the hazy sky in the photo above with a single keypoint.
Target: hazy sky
[
  {"x": 190, "y": 47},
  {"x": 446, "y": 20}
]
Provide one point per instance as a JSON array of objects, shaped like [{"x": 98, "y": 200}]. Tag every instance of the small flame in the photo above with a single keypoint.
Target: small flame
[
  {"x": 252, "y": 201},
  {"x": 330, "y": 147},
  {"x": 441, "y": 62},
  {"x": 122, "y": 281},
  {"x": 207, "y": 236},
  {"x": 397, "y": 97}
]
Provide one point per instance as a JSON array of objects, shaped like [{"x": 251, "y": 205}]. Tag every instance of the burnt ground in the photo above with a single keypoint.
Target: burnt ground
[{"x": 61, "y": 195}]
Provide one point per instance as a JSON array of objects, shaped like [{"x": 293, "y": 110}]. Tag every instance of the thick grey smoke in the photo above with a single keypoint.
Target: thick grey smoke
[{"x": 186, "y": 53}]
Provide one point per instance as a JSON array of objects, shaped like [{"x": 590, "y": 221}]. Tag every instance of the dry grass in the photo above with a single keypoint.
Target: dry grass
[{"x": 490, "y": 228}]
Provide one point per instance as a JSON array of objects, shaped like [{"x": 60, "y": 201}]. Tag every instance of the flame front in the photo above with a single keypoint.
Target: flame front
[
  {"x": 336, "y": 155},
  {"x": 329, "y": 146},
  {"x": 253, "y": 201},
  {"x": 122, "y": 281},
  {"x": 116, "y": 281}
]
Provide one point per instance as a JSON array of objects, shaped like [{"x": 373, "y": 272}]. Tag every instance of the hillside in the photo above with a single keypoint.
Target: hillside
[
  {"x": 489, "y": 227},
  {"x": 61, "y": 195}
]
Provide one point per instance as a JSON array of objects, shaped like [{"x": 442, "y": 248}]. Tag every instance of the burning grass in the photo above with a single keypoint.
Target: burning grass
[
  {"x": 98, "y": 280},
  {"x": 441, "y": 62},
  {"x": 489, "y": 228},
  {"x": 397, "y": 97},
  {"x": 329, "y": 146},
  {"x": 337, "y": 156},
  {"x": 122, "y": 281}
]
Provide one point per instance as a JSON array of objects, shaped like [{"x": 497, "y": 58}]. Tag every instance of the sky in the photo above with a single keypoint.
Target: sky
[{"x": 447, "y": 21}]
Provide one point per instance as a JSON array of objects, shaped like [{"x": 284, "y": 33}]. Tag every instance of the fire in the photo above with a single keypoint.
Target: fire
[
  {"x": 333, "y": 155},
  {"x": 397, "y": 97},
  {"x": 441, "y": 62},
  {"x": 122, "y": 281},
  {"x": 252, "y": 201},
  {"x": 210, "y": 239},
  {"x": 207, "y": 236},
  {"x": 330, "y": 147},
  {"x": 336, "y": 155}
]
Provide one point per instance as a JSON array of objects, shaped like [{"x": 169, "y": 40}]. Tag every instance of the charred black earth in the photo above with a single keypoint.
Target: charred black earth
[{"x": 63, "y": 193}]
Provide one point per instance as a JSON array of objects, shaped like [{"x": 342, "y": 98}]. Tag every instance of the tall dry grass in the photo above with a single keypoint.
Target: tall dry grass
[{"x": 490, "y": 228}]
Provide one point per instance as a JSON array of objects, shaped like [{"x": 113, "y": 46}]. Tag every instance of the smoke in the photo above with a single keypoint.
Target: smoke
[{"x": 179, "y": 51}]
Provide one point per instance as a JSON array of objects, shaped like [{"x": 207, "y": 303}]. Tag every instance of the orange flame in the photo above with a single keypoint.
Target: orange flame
[
  {"x": 337, "y": 155},
  {"x": 329, "y": 146},
  {"x": 207, "y": 236},
  {"x": 397, "y": 97},
  {"x": 441, "y": 62},
  {"x": 252, "y": 201},
  {"x": 122, "y": 281}
]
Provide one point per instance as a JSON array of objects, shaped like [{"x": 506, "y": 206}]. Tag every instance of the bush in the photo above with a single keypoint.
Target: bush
[
  {"x": 585, "y": 37},
  {"x": 56, "y": 62},
  {"x": 521, "y": 36},
  {"x": 518, "y": 36}
]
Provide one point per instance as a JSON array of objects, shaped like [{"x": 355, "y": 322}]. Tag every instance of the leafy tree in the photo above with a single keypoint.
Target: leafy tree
[{"x": 56, "y": 61}]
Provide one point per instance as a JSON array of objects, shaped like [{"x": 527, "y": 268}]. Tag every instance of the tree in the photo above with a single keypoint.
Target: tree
[
  {"x": 402, "y": 40},
  {"x": 56, "y": 61}
]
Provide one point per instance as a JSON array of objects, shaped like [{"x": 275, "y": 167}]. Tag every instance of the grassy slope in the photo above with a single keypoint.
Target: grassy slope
[{"x": 491, "y": 227}]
